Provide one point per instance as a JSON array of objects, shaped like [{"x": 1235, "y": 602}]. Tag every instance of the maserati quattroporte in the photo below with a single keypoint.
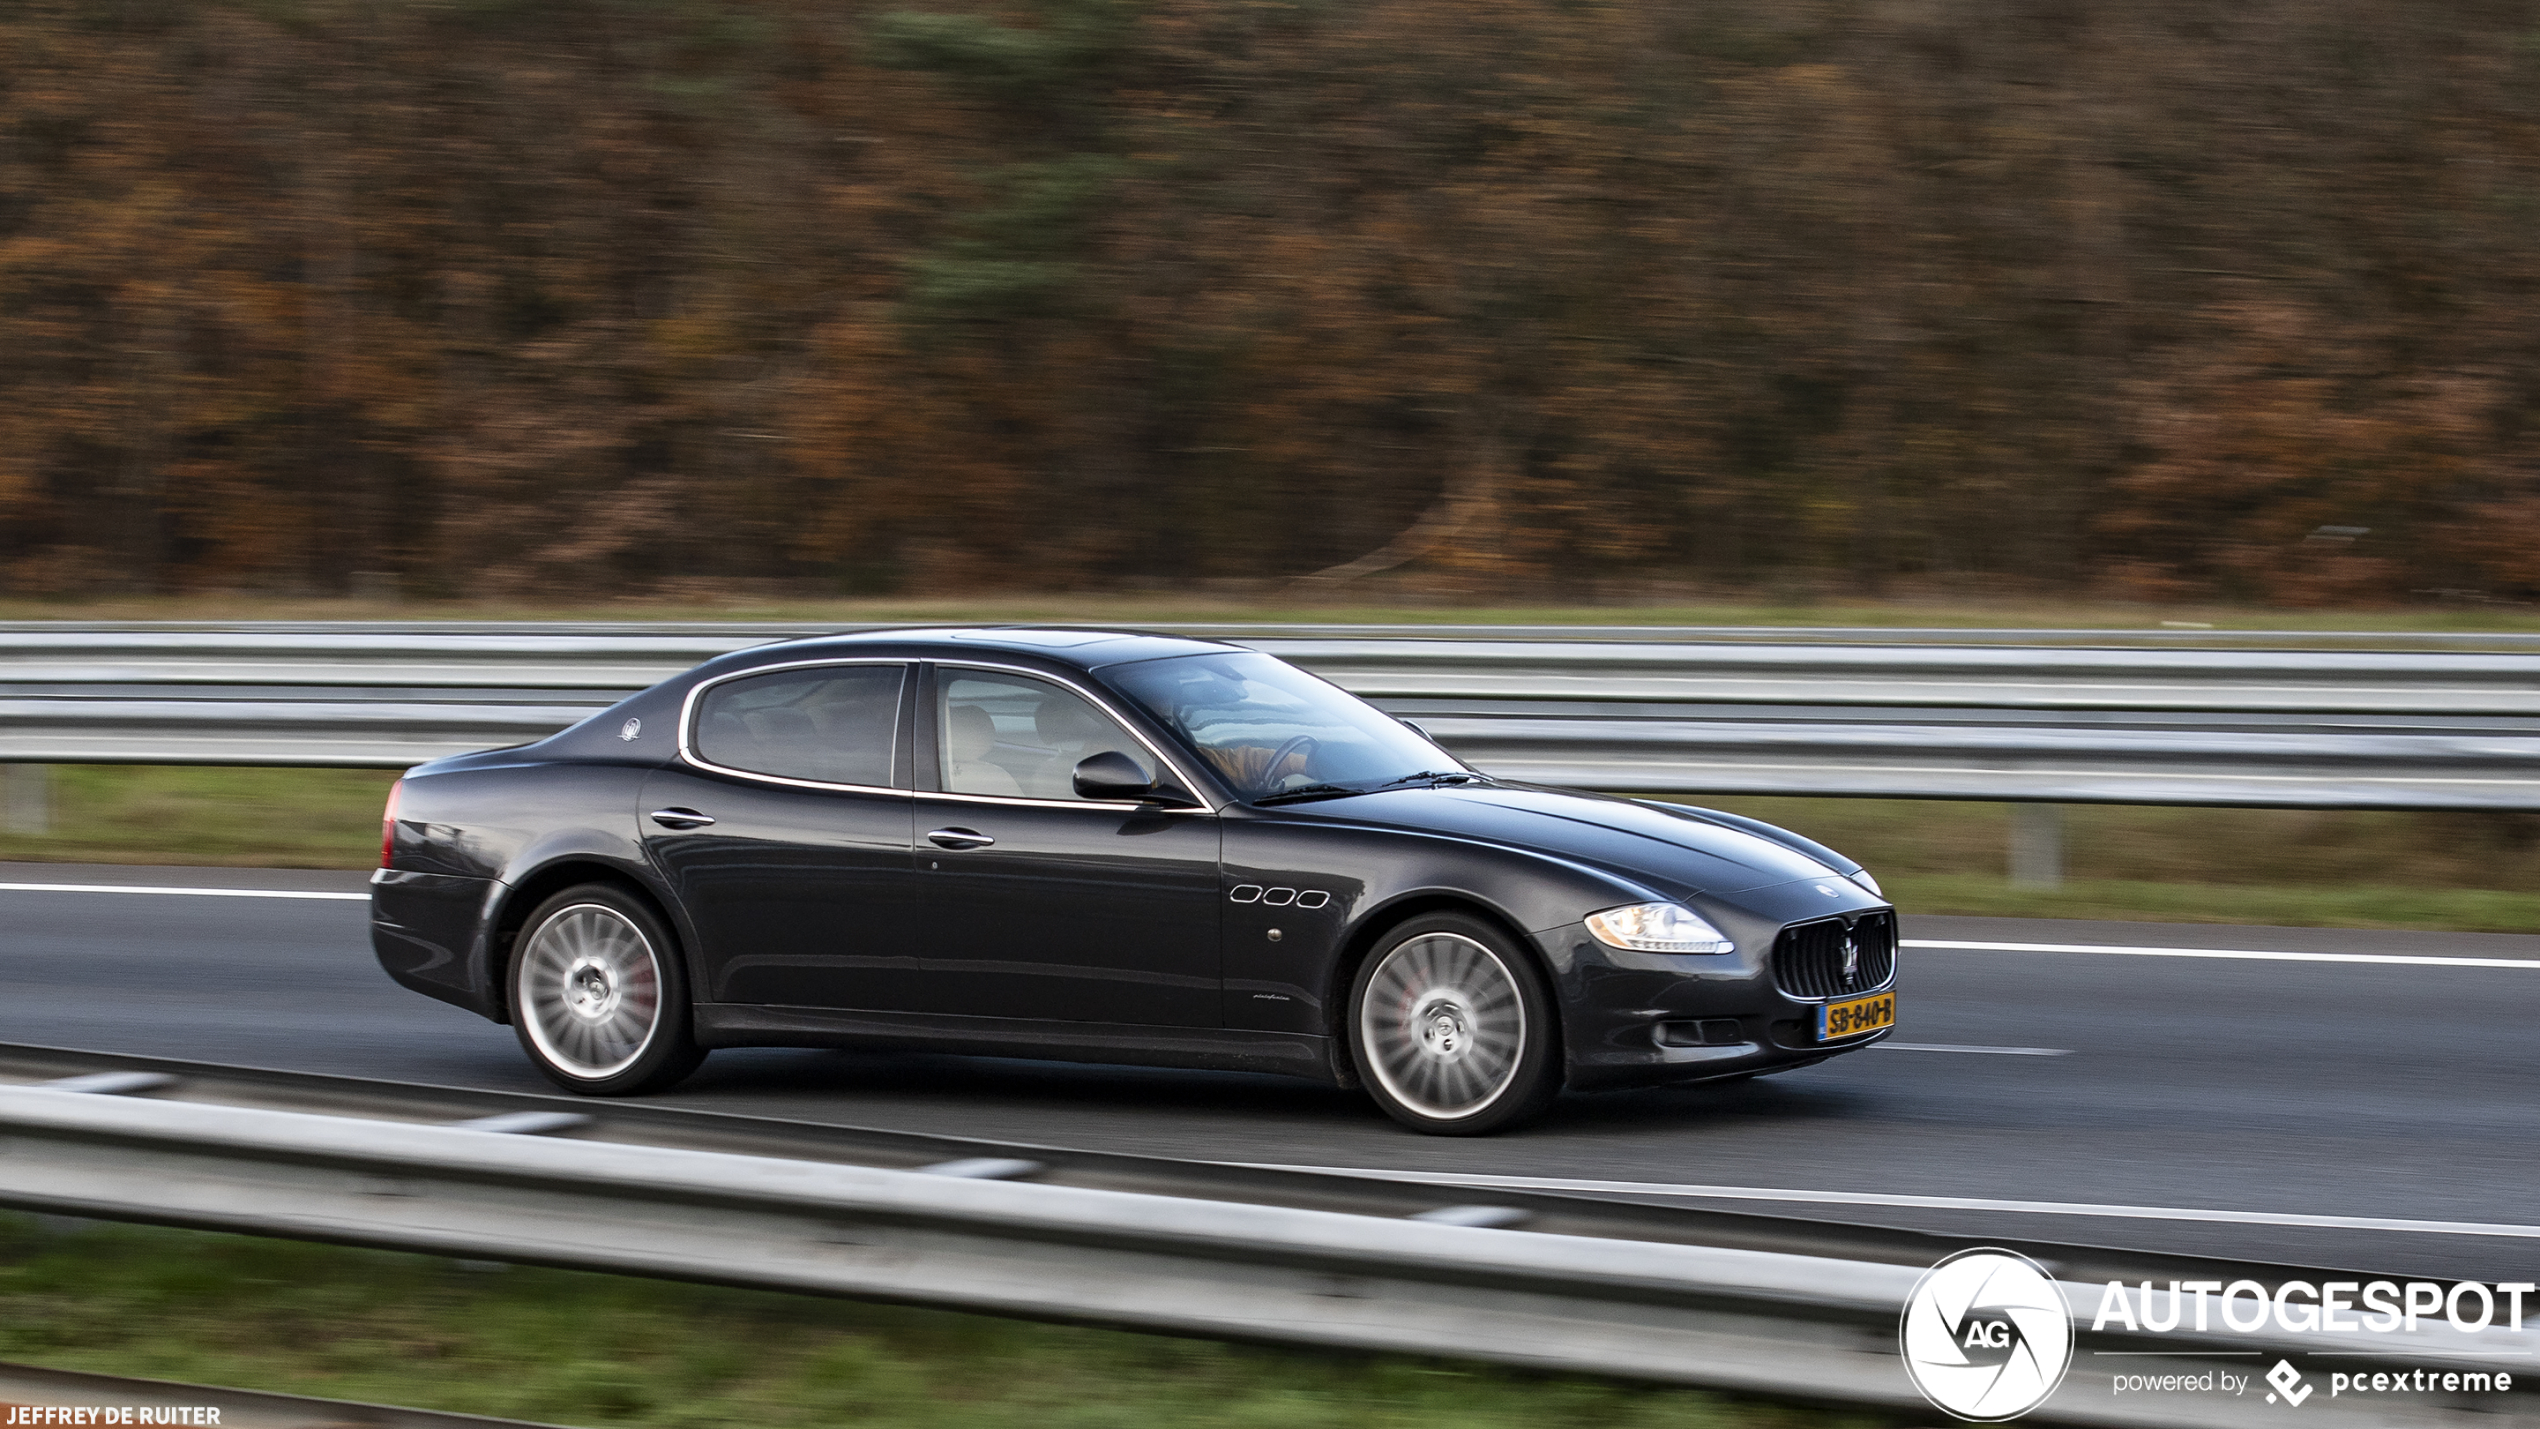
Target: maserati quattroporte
[{"x": 1113, "y": 847}]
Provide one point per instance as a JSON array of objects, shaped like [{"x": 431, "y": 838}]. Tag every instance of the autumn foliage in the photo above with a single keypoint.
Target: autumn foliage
[{"x": 445, "y": 297}]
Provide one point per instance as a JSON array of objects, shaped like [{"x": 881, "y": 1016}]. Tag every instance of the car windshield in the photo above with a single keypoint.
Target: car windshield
[{"x": 1270, "y": 728}]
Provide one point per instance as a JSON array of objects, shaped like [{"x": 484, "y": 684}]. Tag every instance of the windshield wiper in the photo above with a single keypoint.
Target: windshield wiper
[
  {"x": 1308, "y": 791},
  {"x": 1334, "y": 791},
  {"x": 1436, "y": 777}
]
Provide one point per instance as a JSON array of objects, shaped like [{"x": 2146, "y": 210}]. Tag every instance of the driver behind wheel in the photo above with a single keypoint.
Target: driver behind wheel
[{"x": 1248, "y": 765}]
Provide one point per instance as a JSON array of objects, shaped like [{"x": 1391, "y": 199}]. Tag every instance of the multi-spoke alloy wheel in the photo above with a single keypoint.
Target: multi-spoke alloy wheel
[
  {"x": 596, "y": 995},
  {"x": 1450, "y": 1028}
]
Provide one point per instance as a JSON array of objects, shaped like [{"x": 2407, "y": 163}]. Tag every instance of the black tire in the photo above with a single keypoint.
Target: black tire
[
  {"x": 598, "y": 996},
  {"x": 1452, "y": 1028}
]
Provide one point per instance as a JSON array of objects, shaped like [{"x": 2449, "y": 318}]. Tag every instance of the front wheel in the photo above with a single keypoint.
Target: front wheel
[
  {"x": 598, "y": 997},
  {"x": 1452, "y": 1028}
]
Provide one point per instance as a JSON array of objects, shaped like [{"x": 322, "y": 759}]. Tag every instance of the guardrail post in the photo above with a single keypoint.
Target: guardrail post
[
  {"x": 26, "y": 799},
  {"x": 2037, "y": 845}
]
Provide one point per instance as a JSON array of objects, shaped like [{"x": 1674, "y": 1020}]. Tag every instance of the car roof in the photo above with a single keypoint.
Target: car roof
[{"x": 1080, "y": 647}]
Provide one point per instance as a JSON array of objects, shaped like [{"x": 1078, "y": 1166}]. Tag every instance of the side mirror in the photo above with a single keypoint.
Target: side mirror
[
  {"x": 1114, "y": 775},
  {"x": 1415, "y": 729}
]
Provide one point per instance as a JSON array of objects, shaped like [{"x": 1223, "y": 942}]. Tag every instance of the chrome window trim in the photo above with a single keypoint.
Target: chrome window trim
[
  {"x": 1197, "y": 789},
  {"x": 696, "y": 693},
  {"x": 1116, "y": 805}
]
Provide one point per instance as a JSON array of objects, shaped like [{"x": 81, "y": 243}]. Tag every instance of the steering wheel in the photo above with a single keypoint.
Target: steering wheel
[{"x": 1297, "y": 744}]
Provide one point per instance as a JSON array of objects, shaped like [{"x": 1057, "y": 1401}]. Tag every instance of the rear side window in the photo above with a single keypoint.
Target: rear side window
[{"x": 837, "y": 724}]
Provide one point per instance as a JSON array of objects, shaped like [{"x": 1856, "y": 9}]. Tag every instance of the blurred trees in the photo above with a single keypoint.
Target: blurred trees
[{"x": 1552, "y": 296}]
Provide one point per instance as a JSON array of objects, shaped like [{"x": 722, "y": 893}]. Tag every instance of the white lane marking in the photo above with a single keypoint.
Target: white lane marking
[
  {"x": 1922, "y": 1203},
  {"x": 1996, "y": 1051},
  {"x": 181, "y": 892},
  {"x": 2410, "y": 959}
]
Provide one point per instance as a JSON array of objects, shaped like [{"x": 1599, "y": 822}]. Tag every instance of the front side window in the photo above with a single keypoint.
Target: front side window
[
  {"x": 1021, "y": 738},
  {"x": 1270, "y": 728},
  {"x": 835, "y": 724}
]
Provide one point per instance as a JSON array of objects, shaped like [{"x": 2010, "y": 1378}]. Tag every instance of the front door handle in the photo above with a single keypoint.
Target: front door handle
[
  {"x": 960, "y": 838},
  {"x": 676, "y": 818}
]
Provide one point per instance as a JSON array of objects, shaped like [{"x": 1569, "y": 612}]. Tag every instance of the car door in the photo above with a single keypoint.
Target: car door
[
  {"x": 784, "y": 827},
  {"x": 1040, "y": 904}
]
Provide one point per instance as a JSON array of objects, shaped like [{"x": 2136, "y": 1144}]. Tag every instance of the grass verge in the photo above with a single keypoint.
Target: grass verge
[
  {"x": 255, "y": 818},
  {"x": 575, "y": 1348},
  {"x": 2314, "y": 868},
  {"x": 2454, "y": 910}
]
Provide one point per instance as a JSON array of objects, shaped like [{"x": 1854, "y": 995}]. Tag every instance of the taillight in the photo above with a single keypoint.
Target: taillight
[{"x": 388, "y": 824}]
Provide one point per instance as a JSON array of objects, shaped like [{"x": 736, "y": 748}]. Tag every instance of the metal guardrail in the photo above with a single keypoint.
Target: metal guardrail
[
  {"x": 1742, "y": 1226},
  {"x": 2138, "y": 717},
  {"x": 1773, "y": 1322}
]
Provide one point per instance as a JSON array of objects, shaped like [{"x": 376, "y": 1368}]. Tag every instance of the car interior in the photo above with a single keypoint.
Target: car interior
[
  {"x": 835, "y": 726},
  {"x": 1023, "y": 738}
]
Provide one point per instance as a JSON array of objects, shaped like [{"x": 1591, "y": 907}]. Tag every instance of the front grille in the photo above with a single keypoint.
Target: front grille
[{"x": 1808, "y": 958}]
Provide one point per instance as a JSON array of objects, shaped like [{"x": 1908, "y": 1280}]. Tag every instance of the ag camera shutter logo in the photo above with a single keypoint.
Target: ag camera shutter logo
[{"x": 1986, "y": 1335}]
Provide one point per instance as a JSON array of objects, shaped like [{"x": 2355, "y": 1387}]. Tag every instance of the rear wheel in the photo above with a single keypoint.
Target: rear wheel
[
  {"x": 598, "y": 997},
  {"x": 1451, "y": 1028}
]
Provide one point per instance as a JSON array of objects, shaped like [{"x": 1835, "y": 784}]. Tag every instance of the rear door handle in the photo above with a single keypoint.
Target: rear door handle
[
  {"x": 676, "y": 818},
  {"x": 960, "y": 838}
]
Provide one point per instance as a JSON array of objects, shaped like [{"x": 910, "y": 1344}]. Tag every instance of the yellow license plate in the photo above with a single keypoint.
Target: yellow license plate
[{"x": 1851, "y": 1019}]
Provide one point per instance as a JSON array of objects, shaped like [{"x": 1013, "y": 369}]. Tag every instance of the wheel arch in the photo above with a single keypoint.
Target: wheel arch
[
  {"x": 522, "y": 898},
  {"x": 1361, "y": 944}
]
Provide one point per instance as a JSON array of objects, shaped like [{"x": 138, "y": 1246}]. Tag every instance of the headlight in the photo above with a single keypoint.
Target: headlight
[
  {"x": 1862, "y": 876},
  {"x": 1657, "y": 928}
]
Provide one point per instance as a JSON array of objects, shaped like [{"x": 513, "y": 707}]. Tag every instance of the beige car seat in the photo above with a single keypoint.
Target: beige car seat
[{"x": 969, "y": 735}]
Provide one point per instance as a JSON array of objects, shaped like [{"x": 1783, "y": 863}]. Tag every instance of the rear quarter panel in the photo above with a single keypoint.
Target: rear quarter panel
[{"x": 469, "y": 834}]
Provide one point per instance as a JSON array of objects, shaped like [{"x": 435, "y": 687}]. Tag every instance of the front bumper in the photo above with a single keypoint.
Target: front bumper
[{"x": 1634, "y": 1019}]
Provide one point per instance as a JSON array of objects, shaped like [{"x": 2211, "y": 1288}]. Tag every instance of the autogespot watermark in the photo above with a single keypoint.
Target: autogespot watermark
[
  {"x": 1987, "y": 1335},
  {"x": 2336, "y": 1307},
  {"x": 2373, "y": 1307}
]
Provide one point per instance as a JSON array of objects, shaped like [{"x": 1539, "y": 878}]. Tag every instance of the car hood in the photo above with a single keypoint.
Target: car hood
[{"x": 1676, "y": 851}]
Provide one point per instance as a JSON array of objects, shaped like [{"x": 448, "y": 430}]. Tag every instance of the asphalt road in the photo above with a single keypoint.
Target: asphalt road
[{"x": 2189, "y": 1103}]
